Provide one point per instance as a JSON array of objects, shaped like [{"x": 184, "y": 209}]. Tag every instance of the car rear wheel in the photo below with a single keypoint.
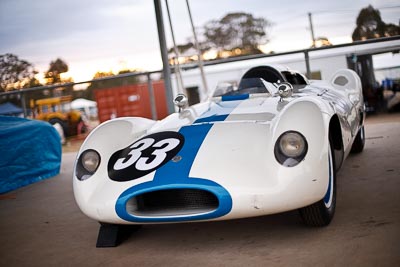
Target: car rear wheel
[
  {"x": 81, "y": 127},
  {"x": 359, "y": 141},
  {"x": 321, "y": 213},
  {"x": 63, "y": 125}
]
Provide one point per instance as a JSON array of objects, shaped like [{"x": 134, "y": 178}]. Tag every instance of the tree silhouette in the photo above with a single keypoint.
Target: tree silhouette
[
  {"x": 237, "y": 30},
  {"x": 16, "y": 73},
  {"x": 370, "y": 25},
  {"x": 53, "y": 75},
  {"x": 118, "y": 81},
  {"x": 392, "y": 30},
  {"x": 234, "y": 34},
  {"x": 321, "y": 41}
]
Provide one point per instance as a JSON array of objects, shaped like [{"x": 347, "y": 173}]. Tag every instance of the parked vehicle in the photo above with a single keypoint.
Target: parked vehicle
[
  {"x": 57, "y": 110},
  {"x": 270, "y": 145}
]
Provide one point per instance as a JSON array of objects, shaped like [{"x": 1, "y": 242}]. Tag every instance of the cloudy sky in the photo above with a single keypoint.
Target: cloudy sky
[{"x": 106, "y": 35}]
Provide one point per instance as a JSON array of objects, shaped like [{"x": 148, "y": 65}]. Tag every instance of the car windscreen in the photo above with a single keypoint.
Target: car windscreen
[{"x": 246, "y": 86}]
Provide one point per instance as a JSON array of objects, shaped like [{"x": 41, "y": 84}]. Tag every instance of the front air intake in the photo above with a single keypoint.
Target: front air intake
[{"x": 172, "y": 202}]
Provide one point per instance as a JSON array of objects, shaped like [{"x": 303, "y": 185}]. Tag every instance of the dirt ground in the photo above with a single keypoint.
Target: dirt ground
[{"x": 41, "y": 225}]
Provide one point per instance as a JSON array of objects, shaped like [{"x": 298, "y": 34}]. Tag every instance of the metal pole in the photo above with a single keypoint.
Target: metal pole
[
  {"x": 307, "y": 59},
  {"x": 200, "y": 60},
  {"x": 164, "y": 56},
  {"x": 23, "y": 103},
  {"x": 178, "y": 75},
  {"x": 153, "y": 105},
  {"x": 311, "y": 29}
]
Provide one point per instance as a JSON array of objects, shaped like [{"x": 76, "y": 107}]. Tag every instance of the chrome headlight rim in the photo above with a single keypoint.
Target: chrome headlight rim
[
  {"x": 285, "y": 158},
  {"x": 83, "y": 171}
]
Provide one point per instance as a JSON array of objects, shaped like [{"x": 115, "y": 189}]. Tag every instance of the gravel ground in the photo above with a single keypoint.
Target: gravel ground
[{"x": 41, "y": 225}]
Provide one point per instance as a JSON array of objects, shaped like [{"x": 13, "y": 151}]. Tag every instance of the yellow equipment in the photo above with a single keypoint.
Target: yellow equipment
[{"x": 58, "y": 110}]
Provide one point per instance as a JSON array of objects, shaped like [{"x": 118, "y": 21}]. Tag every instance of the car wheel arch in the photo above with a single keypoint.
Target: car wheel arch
[{"x": 335, "y": 137}]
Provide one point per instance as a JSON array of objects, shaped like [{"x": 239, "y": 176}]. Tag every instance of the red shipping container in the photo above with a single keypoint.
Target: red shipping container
[{"x": 131, "y": 101}]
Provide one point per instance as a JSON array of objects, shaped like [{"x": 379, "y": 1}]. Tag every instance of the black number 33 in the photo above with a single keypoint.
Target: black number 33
[{"x": 144, "y": 156}]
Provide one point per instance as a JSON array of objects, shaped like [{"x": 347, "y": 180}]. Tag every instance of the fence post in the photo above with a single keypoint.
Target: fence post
[
  {"x": 307, "y": 59},
  {"x": 23, "y": 103},
  {"x": 152, "y": 98}
]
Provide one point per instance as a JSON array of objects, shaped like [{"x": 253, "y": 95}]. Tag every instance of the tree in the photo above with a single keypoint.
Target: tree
[
  {"x": 53, "y": 75},
  {"x": 321, "y": 41},
  {"x": 88, "y": 93},
  {"x": 15, "y": 73},
  {"x": 237, "y": 31},
  {"x": 181, "y": 48},
  {"x": 118, "y": 81},
  {"x": 235, "y": 34},
  {"x": 370, "y": 25},
  {"x": 392, "y": 30}
]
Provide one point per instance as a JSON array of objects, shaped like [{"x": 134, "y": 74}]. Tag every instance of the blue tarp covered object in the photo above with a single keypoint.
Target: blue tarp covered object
[
  {"x": 10, "y": 109},
  {"x": 30, "y": 151}
]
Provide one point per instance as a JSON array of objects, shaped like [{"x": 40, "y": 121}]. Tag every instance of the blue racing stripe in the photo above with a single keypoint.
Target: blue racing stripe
[
  {"x": 175, "y": 174},
  {"x": 218, "y": 111},
  {"x": 328, "y": 194},
  {"x": 235, "y": 97},
  {"x": 212, "y": 118}
]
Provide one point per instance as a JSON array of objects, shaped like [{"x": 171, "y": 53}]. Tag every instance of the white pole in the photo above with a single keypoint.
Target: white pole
[
  {"x": 200, "y": 60},
  {"x": 176, "y": 60},
  {"x": 164, "y": 56},
  {"x": 311, "y": 29}
]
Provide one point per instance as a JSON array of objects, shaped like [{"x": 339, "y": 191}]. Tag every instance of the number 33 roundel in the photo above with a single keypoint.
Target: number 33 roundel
[{"x": 144, "y": 156}]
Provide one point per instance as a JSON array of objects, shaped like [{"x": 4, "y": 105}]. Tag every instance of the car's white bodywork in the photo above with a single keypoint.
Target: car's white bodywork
[{"x": 222, "y": 149}]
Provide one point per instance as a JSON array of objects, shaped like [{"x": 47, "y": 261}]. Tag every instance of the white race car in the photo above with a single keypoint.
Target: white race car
[{"x": 271, "y": 145}]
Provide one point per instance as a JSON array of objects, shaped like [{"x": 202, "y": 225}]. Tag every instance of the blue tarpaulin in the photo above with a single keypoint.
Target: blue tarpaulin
[
  {"x": 10, "y": 109},
  {"x": 30, "y": 151}
]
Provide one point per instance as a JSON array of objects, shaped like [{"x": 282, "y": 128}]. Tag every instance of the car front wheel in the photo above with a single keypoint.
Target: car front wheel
[{"x": 321, "y": 213}]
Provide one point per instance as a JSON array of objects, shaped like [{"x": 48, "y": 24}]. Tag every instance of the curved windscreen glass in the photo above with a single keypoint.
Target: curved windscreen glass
[{"x": 247, "y": 86}]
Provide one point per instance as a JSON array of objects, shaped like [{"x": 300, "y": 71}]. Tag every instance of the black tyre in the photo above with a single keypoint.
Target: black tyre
[
  {"x": 62, "y": 123},
  {"x": 321, "y": 213},
  {"x": 81, "y": 127},
  {"x": 359, "y": 141}
]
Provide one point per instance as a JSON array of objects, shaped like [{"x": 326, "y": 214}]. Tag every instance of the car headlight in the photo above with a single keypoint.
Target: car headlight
[
  {"x": 290, "y": 148},
  {"x": 87, "y": 164}
]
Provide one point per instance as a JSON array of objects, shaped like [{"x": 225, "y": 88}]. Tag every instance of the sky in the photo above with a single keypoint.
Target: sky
[{"x": 105, "y": 35}]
